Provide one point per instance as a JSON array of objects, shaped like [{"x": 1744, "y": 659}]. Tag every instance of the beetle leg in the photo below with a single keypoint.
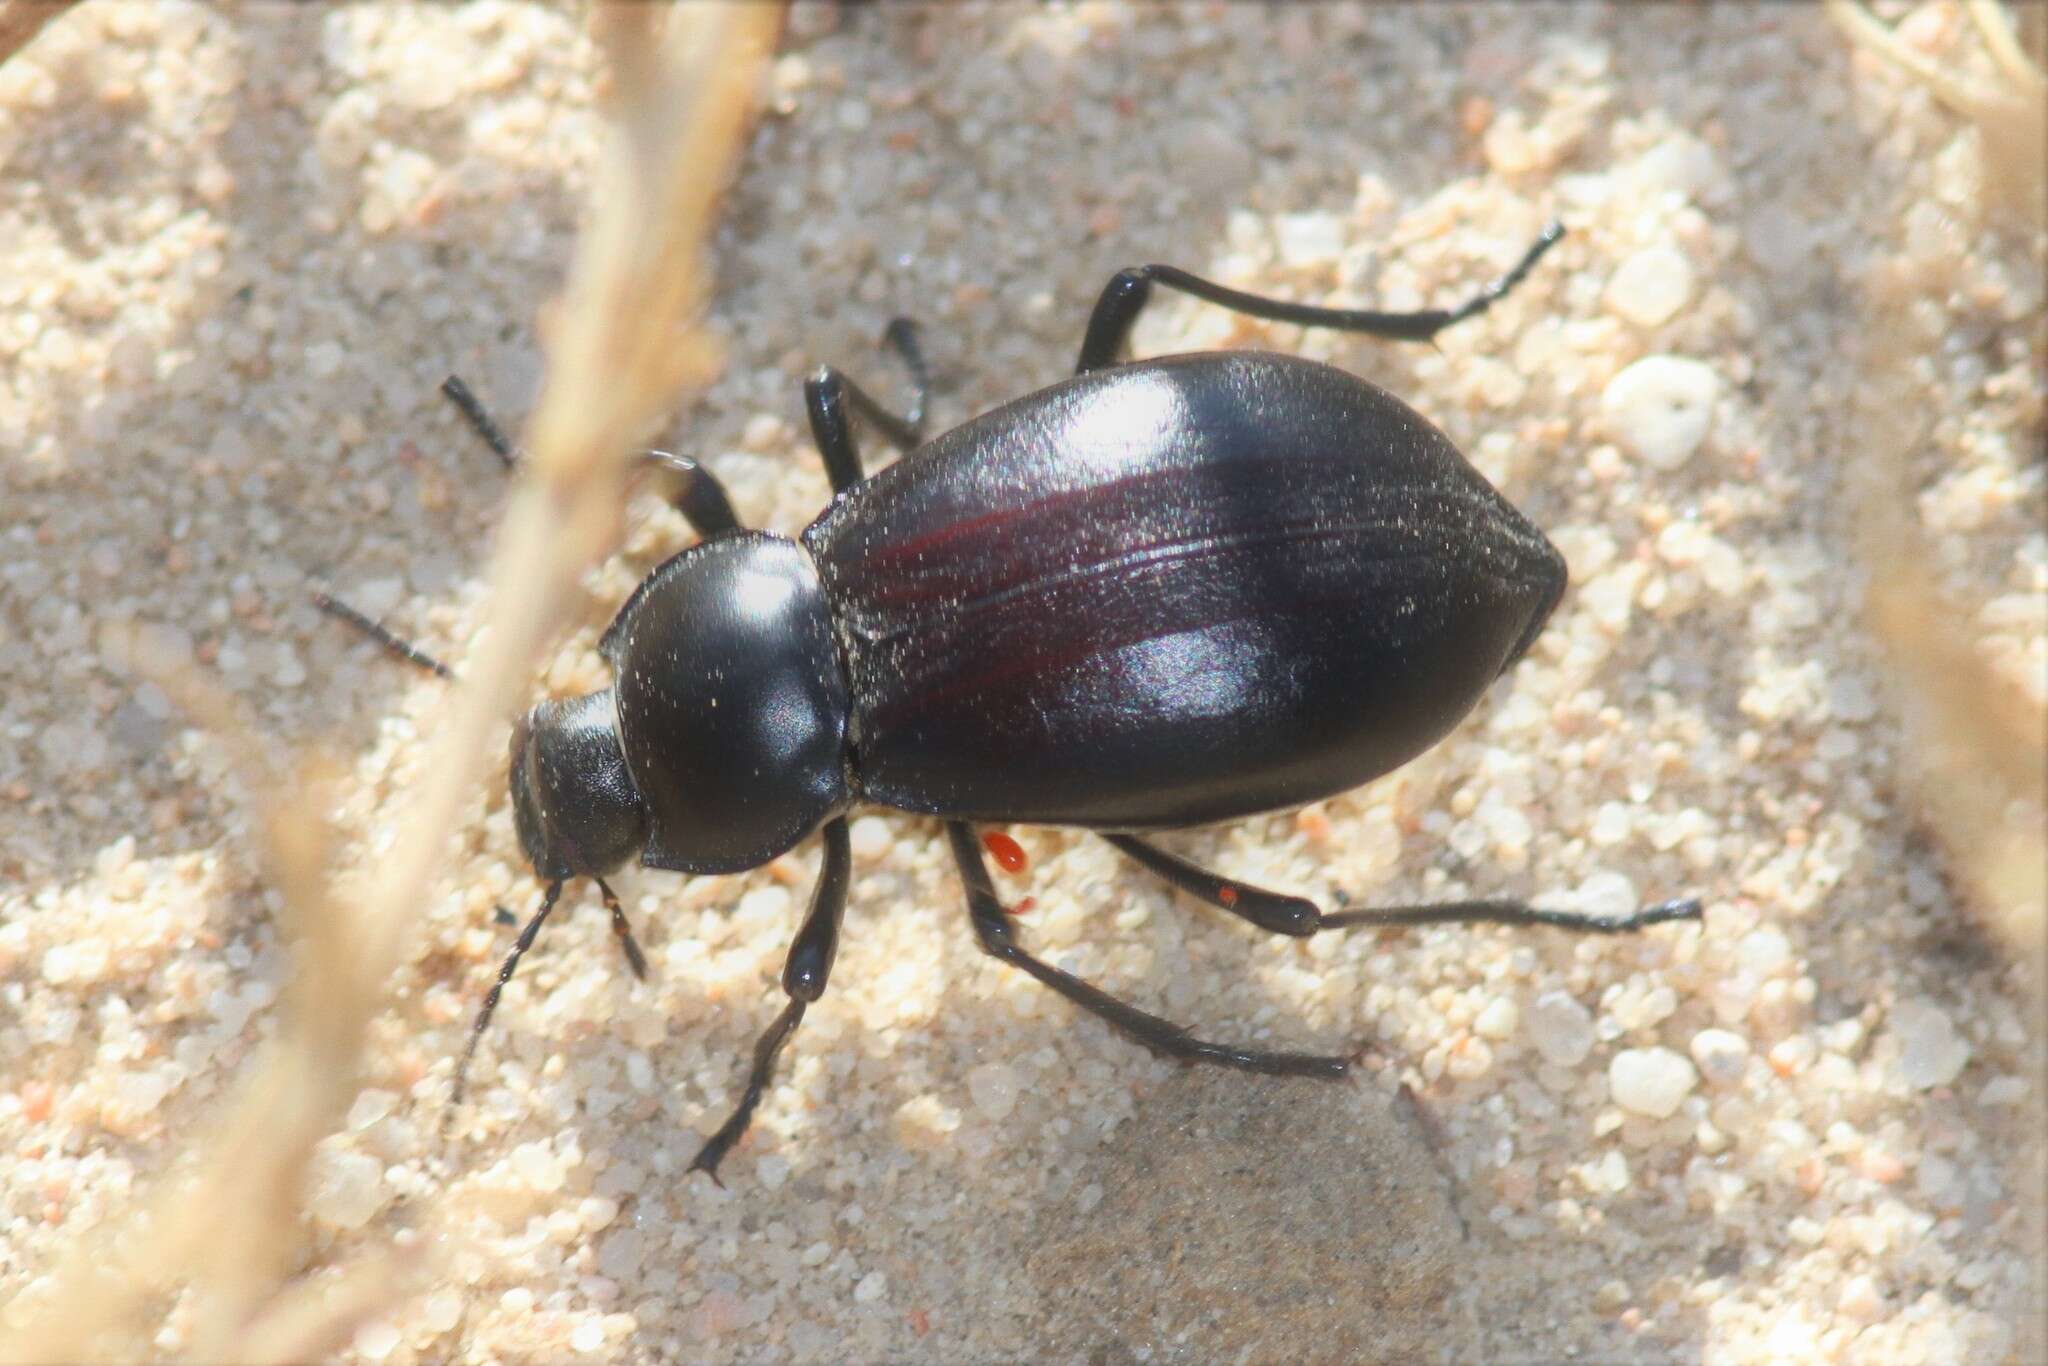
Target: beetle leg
[
  {"x": 699, "y": 496},
  {"x": 490, "y": 1006},
  {"x": 1291, "y": 915},
  {"x": 803, "y": 979},
  {"x": 1125, "y": 296},
  {"x": 1163, "y": 1037},
  {"x": 1298, "y": 916},
  {"x": 1516, "y": 913},
  {"x": 829, "y": 395}
]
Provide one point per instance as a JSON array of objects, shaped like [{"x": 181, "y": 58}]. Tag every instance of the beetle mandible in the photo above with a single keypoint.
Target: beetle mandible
[{"x": 1158, "y": 594}]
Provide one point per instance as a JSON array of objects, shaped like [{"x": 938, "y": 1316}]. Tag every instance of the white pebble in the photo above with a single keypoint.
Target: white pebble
[
  {"x": 537, "y": 1166},
  {"x": 1681, "y": 162},
  {"x": 2003, "y": 1091},
  {"x": 1939, "y": 1181},
  {"x": 872, "y": 1287},
  {"x": 348, "y": 1188},
  {"x": 1608, "y": 894},
  {"x": 1650, "y": 1081},
  {"x": 1561, "y": 1029},
  {"x": 1660, "y": 408},
  {"x": 1308, "y": 239},
  {"x": 441, "y": 1311},
  {"x": 1498, "y": 1019},
  {"x": 287, "y": 671},
  {"x": 1721, "y": 1055},
  {"x": 370, "y": 1106},
  {"x": 1931, "y": 1053},
  {"x": 870, "y": 838},
  {"x": 620, "y": 1253},
  {"x": 1765, "y": 952},
  {"x": 1651, "y": 286},
  {"x": 1611, "y": 824},
  {"x": 589, "y": 1335},
  {"x": 1860, "y": 1300},
  {"x": 376, "y": 1339},
  {"x": 762, "y": 907},
  {"x": 993, "y": 1087}
]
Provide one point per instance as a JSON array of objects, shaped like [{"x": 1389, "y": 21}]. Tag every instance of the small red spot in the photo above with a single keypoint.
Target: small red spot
[
  {"x": 1227, "y": 895},
  {"x": 1005, "y": 850},
  {"x": 920, "y": 1322},
  {"x": 1024, "y": 907}
]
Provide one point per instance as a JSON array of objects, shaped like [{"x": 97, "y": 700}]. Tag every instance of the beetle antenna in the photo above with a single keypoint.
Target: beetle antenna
[
  {"x": 395, "y": 645},
  {"x": 480, "y": 421},
  {"x": 635, "y": 959},
  {"x": 483, "y": 1017}
]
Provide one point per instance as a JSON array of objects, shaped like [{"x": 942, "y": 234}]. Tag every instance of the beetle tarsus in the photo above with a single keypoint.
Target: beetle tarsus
[
  {"x": 1516, "y": 913},
  {"x": 904, "y": 337},
  {"x": 765, "y": 1049}
]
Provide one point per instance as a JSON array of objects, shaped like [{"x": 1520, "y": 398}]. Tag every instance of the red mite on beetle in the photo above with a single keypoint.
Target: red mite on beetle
[
  {"x": 1158, "y": 594},
  {"x": 1008, "y": 854}
]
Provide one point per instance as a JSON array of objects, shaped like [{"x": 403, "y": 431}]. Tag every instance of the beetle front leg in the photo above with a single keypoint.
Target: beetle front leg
[
  {"x": 1128, "y": 291},
  {"x": 699, "y": 496},
  {"x": 830, "y": 399},
  {"x": 998, "y": 938},
  {"x": 1300, "y": 917},
  {"x": 803, "y": 979}
]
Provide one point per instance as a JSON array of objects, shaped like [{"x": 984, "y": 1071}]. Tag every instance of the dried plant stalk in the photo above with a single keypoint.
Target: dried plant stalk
[
  {"x": 22, "y": 20},
  {"x": 2011, "y": 112},
  {"x": 683, "y": 81},
  {"x": 1981, "y": 749}
]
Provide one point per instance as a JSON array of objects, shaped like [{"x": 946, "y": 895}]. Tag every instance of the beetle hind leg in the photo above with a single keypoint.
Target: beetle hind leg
[
  {"x": 1300, "y": 917},
  {"x": 1290, "y": 915},
  {"x": 1125, "y": 296},
  {"x": 1163, "y": 1037},
  {"x": 804, "y": 974}
]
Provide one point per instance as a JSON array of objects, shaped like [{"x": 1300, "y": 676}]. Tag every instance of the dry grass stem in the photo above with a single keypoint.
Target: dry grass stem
[
  {"x": 22, "y": 20},
  {"x": 230, "y": 1226},
  {"x": 2011, "y": 112},
  {"x": 1980, "y": 747}
]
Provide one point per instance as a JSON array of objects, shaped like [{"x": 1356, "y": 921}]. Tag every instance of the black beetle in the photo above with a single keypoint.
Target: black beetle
[{"x": 1158, "y": 594}]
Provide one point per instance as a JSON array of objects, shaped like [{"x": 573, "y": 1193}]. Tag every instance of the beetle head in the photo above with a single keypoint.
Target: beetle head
[{"x": 577, "y": 810}]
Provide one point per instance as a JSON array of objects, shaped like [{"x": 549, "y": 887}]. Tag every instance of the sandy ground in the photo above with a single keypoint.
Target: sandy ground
[{"x": 240, "y": 247}]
